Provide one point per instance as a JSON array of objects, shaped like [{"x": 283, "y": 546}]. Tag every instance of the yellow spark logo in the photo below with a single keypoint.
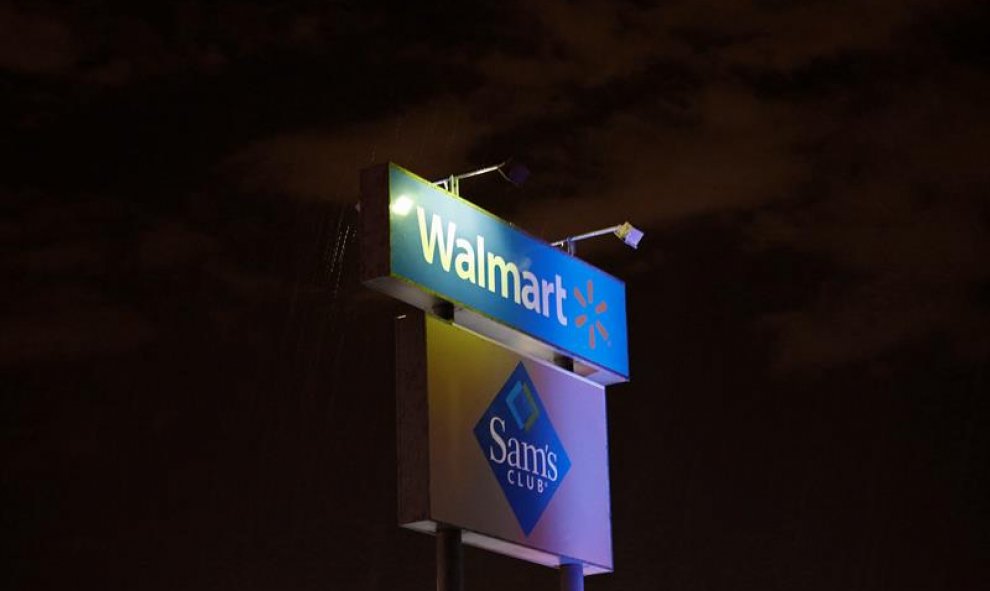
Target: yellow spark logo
[{"x": 581, "y": 320}]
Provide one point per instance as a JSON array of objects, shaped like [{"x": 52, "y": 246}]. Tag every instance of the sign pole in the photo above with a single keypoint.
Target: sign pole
[
  {"x": 450, "y": 559},
  {"x": 571, "y": 577},
  {"x": 571, "y": 573}
]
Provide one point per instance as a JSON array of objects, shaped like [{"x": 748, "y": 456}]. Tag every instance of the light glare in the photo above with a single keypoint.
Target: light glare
[{"x": 402, "y": 205}]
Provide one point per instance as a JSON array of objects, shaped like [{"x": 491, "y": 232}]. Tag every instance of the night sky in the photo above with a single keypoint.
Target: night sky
[{"x": 198, "y": 393}]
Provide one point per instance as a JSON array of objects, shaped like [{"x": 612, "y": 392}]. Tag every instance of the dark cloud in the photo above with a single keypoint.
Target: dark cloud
[
  {"x": 68, "y": 324},
  {"x": 197, "y": 380},
  {"x": 35, "y": 42}
]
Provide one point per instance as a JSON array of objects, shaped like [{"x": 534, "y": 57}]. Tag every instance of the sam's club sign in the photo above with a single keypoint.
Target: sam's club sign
[
  {"x": 454, "y": 250},
  {"x": 523, "y": 449},
  {"x": 511, "y": 450}
]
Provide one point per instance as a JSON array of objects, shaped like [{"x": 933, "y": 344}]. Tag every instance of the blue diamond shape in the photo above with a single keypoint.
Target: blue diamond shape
[{"x": 522, "y": 448}]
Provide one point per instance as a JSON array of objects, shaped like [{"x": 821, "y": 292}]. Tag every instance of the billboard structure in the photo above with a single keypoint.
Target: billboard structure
[{"x": 502, "y": 434}]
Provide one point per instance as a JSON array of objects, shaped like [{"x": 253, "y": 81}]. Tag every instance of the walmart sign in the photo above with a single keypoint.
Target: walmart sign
[{"x": 452, "y": 249}]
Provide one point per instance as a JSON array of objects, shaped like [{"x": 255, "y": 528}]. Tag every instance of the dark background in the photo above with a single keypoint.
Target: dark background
[{"x": 198, "y": 394}]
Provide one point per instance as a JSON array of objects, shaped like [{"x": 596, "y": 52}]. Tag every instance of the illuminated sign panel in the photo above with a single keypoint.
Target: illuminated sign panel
[
  {"x": 446, "y": 247},
  {"x": 511, "y": 450}
]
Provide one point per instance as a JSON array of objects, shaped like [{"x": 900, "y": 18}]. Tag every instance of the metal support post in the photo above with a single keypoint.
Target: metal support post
[
  {"x": 572, "y": 577},
  {"x": 450, "y": 559}
]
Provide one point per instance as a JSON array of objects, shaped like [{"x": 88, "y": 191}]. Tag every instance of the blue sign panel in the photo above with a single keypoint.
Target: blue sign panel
[
  {"x": 463, "y": 254},
  {"x": 522, "y": 448}
]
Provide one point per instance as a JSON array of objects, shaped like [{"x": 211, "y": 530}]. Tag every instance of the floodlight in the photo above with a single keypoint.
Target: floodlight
[
  {"x": 517, "y": 175},
  {"x": 629, "y": 234}
]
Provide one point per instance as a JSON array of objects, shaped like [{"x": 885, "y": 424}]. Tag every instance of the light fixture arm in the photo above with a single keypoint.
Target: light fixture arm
[
  {"x": 624, "y": 231},
  {"x": 586, "y": 235},
  {"x": 478, "y": 172},
  {"x": 570, "y": 243},
  {"x": 453, "y": 182}
]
